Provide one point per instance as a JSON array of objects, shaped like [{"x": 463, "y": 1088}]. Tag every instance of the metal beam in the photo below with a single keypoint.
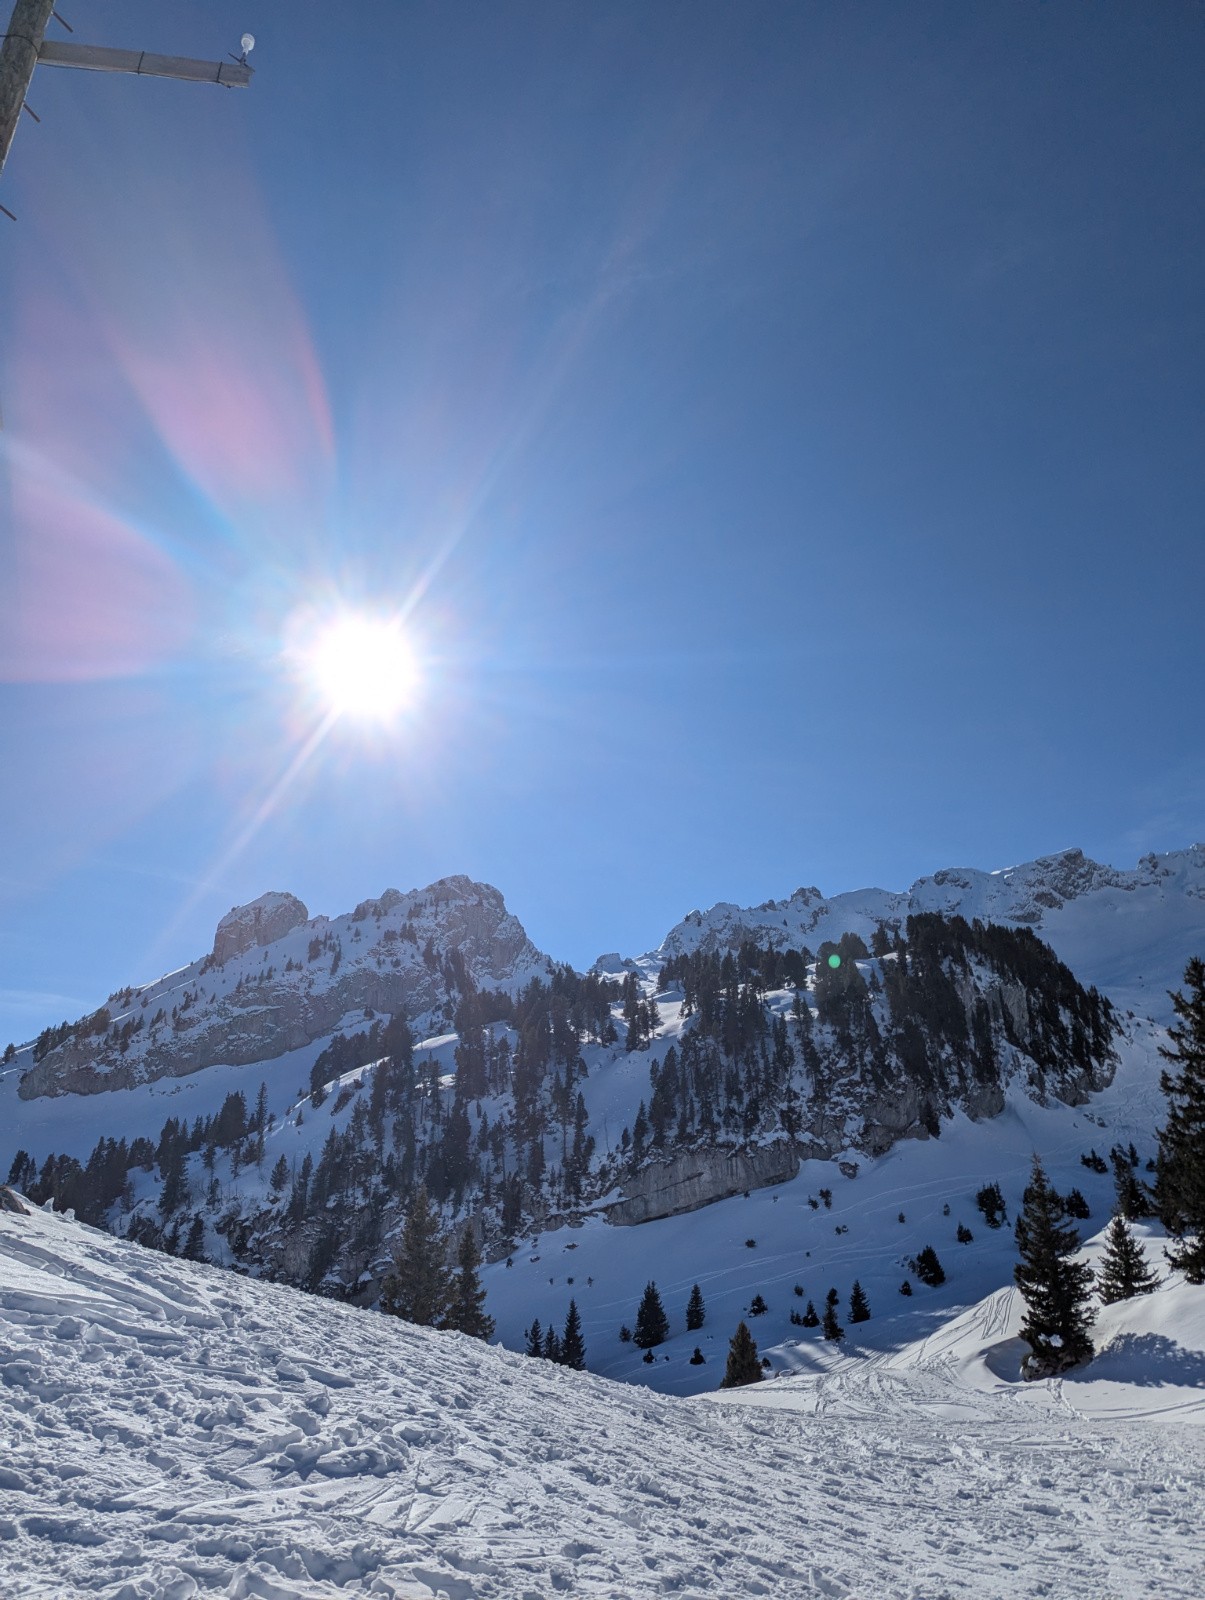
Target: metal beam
[
  {"x": 18, "y": 58},
  {"x": 95, "y": 58}
]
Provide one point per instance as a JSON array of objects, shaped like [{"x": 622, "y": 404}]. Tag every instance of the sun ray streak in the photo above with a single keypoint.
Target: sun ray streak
[{"x": 263, "y": 813}]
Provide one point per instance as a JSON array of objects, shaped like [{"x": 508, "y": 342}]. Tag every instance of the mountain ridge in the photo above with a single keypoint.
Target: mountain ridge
[
  {"x": 1048, "y": 894},
  {"x": 1042, "y": 894},
  {"x": 531, "y": 1099}
]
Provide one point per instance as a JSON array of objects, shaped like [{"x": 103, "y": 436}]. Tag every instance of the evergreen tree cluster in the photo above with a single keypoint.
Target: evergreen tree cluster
[
  {"x": 94, "y": 1187},
  {"x": 1180, "y": 1181},
  {"x": 743, "y": 1070},
  {"x": 423, "y": 1288},
  {"x": 927, "y": 1267},
  {"x": 990, "y": 1200},
  {"x": 566, "y": 1349}
]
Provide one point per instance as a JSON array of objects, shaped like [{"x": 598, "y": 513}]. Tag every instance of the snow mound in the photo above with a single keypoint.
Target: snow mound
[{"x": 172, "y": 1430}]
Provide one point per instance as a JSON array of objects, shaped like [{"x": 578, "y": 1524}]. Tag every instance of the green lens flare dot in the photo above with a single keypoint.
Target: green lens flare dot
[{"x": 834, "y": 961}]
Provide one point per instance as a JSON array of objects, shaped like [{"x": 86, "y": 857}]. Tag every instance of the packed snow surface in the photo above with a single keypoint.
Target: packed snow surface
[{"x": 170, "y": 1430}]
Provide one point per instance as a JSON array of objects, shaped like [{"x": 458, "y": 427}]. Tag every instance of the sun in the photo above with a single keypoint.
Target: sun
[{"x": 361, "y": 667}]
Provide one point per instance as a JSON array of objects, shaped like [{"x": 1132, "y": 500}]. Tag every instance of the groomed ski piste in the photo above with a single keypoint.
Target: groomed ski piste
[{"x": 170, "y": 1430}]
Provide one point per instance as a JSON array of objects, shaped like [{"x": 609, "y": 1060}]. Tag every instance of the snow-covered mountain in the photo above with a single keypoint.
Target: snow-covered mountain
[
  {"x": 1127, "y": 932},
  {"x": 277, "y": 979},
  {"x": 173, "y": 1430},
  {"x": 276, "y": 1101}
]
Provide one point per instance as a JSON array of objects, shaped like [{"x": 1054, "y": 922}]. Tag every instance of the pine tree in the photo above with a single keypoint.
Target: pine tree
[
  {"x": 743, "y": 1363},
  {"x": 809, "y": 1318},
  {"x": 928, "y": 1268},
  {"x": 194, "y": 1245},
  {"x": 859, "y": 1306},
  {"x": 573, "y": 1349},
  {"x": 698, "y": 1359},
  {"x": 535, "y": 1339},
  {"x": 552, "y": 1344},
  {"x": 652, "y": 1325},
  {"x": 696, "y": 1312},
  {"x": 1132, "y": 1201},
  {"x": 466, "y": 1313},
  {"x": 1124, "y": 1270},
  {"x": 831, "y": 1328},
  {"x": 758, "y": 1306},
  {"x": 990, "y": 1200},
  {"x": 1055, "y": 1288},
  {"x": 1180, "y": 1186},
  {"x": 419, "y": 1287}
]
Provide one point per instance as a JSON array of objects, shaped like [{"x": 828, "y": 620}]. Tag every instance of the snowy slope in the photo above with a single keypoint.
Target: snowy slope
[
  {"x": 1129, "y": 933},
  {"x": 1149, "y": 1362},
  {"x": 605, "y": 1268},
  {"x": 173, "y": 1430}
]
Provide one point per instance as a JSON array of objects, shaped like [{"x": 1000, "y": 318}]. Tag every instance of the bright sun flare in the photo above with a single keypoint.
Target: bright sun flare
[{"x": 362, "y": 667}]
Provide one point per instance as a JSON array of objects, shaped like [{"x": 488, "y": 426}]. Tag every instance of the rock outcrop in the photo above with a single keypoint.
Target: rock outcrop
[
  {"x": 261, "y": 922},
  {"x": 697, "y": 1177}
]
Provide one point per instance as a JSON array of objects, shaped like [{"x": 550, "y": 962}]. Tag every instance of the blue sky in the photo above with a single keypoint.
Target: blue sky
[{"x": 780, "y": 424}]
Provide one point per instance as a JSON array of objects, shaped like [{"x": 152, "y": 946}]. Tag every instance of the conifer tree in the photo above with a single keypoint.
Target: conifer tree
[
  {"x": 696, "y": 1312},
  {"x": 194, "y": 1245},
  {"x": 466, "y": 1313},
  {"x": 859, "y": 1306},
  {"x": 928, "y": 1268},
  {"x": 1055, "y": 1288},
  {"x": 573, "y": 1349},
  {"x": 535, "y": 1339},
  {"x": 652, "y": 1325},
  {"x": 809, "y": 1318},
  {"x": 1124, "y": 1270},
  {"x": 1180, "y": 1185},
  {"x": 743, "y": 1363},
  {"x": 831, "y": 1328},
  {"x": 1132, "y": 1200},
  {"x": 990, "y": 1200},
  {"x": 419, "y": 1287},
  {"x": 552, "y": 1344}
]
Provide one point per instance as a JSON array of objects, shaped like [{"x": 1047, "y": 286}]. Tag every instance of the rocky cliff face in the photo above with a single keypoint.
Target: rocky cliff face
[
  {"x": 262, "y": 922},
  {"x": 277, "y": 980},
  {"x": 697, "y": 1177}
]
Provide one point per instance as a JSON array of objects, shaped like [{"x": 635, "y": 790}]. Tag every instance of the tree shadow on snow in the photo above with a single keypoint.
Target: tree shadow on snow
[{"x": 1146, "y": 1359}]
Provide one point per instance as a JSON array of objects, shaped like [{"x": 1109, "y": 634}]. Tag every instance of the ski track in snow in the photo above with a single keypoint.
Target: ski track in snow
[{"x": 170, "y": 1430}]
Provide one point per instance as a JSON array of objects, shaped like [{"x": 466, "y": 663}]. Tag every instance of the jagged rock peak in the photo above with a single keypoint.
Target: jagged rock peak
[{"x": 262, "y": 922}]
